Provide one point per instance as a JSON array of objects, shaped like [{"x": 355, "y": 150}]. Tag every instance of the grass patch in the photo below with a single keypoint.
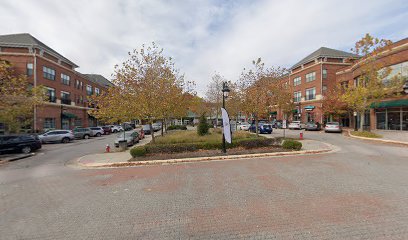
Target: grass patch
[
  {"x": 366, "y": 134},
  {"x": 214, "y": 136}
]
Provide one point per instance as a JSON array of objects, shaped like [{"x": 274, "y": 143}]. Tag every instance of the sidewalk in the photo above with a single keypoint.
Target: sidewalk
[
  {"x": 396, "y": 137},
  {"x": 121, "y": 158}
]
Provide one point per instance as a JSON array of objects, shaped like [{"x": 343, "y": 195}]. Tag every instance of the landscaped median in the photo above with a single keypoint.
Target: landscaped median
[
  {"x": 365, "y": 134},
  {"x": 188, "y": 144}
]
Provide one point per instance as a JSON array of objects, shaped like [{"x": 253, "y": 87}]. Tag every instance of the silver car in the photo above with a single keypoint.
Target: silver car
[
  {"x": 130, "y": 137},
  {"x": 333, "y": 127},
  {"x": 97, "y": 131},
  {"x": 64, "y": 136}
]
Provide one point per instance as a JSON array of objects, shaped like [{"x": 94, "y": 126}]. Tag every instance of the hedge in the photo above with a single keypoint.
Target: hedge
[
  {"x": 292, "y": 144},
  {"x": 177, "y": 127},
  {"x": 190, "y": 147}
]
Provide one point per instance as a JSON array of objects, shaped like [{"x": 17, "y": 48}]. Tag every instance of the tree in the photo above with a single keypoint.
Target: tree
[
  {"x": 147, "y": 86},
  {"x": 258, "y": 86},
  {"x": 214, "y": 94},
  {"x": 234, "y": 101},
  {"x": 373, "y": 82},
  {"x": 18, "y": 98},
  {"x": 203, "y": 127},
  {"x": 333, "y": 103}
]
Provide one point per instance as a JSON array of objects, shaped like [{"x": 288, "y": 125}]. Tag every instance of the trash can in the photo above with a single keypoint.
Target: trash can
[{"x": 123, "y": 145}]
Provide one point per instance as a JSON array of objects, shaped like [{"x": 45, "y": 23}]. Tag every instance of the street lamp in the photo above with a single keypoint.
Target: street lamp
[
  {"x": 225, "y": 91},
  {"x": 355, "y": 121}
]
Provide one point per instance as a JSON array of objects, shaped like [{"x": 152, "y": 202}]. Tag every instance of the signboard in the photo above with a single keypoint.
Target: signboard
[
  {"x": 226, "y": 126},
  {"x": 284, "y": 124}
]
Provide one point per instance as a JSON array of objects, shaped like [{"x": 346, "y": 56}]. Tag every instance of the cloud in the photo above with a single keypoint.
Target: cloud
[{"x": 202, "y": 36}]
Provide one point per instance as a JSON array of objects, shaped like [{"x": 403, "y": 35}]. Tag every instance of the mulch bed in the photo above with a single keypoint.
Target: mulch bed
[{"x": 210, "y": 153}]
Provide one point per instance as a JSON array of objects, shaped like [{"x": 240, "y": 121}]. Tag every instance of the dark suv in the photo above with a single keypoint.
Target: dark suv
[{"x": 20, "y": 143}]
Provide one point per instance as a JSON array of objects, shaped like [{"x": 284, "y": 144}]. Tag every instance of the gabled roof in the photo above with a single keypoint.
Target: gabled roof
[
  {"x": 325, "y": 52},
  {"x": 99, "y": 79},
  {"x": 27, "y": 40}
]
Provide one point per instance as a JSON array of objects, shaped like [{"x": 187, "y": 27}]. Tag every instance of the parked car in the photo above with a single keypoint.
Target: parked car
[
  {"x": 107, "y": 130},
  {"x": 312, "y": 126},
  {"x": 64, "y": 136},
  {"x": 97, "y": 131},
  {"x": 116, "y": 128},
  {"x": 19, "y": 143},
  {"x": 277, "y": 124},
  {"x": 296, "y": 125},
  {"x": 244, "y": 126},
  {"x": 146, "y": 129},
  {"x": 156, "y": 126},
  {"x": 131, "y": 138},
  {"x": 84, "y": 133},
  {"x": 333, "y": 127},
  {"x": 262, "y": 128}
]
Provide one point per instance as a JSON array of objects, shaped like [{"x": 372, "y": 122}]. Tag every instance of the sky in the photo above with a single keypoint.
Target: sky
[{"x": 203, "y": 37}]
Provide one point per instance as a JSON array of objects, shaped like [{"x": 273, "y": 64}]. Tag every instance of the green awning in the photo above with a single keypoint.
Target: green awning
[
  {"x": 273, "y": 113},
  {"x": 388, "y": 104},
  {"x": 68, "y": 115},
  {"x": 310, "y": 107}
]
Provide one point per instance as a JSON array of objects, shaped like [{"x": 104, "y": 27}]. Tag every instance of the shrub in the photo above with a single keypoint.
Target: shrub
[
  {"x": 203, "y": 127},
  {"x": 138, "y": 151},
  {"x": 292, "y": 144},
  {"x": 177, "y": 127}
]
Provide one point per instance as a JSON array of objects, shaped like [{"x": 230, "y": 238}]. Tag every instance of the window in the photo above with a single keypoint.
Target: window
[
  {"x": 344, "y": 85},
  {"x": 324, "y": 73},
  {"x": 82, "y": 86},
  {"x": 97, "y": 91},
  {"x": 297, "y": 81},
  {"x": 48, "y": 73},
  {"x": 65, "y": 98},
  {"x": 310, "y": 76},
  {"x": 310, "y": 93},
  {"x": 77, "y": 85},
  {"x": 297, "y": 96},
  {"x": 89, "y": 90},
  {"x": 30, "y": 69},
  {"x": 50, "y": 92},
  {"x": 78, "y": 122},
  {"x": 65, "y": 79},
  {"x": 324, "y": 89},
  {"x": 49, "y": 123}
]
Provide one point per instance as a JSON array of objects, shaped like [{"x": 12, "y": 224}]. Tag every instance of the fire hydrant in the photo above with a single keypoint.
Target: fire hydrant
[
  {"x": 107, "y": 149},
  {"x": 301, "y": 136}
]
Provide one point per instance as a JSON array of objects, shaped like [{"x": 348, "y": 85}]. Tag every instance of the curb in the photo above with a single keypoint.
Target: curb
[
  {"x": 378, "y": 140},
  {"x": 205, "y": 159},
  {"x": 16, "y": 158}
]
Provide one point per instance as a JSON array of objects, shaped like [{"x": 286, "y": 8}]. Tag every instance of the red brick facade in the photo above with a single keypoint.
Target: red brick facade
[{"x": 73, "y": 111}]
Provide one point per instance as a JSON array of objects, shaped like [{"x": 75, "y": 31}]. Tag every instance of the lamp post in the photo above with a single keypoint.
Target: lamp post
[
  {"x": 225, "y": 91},
  {"x": 355, "y": 121}
]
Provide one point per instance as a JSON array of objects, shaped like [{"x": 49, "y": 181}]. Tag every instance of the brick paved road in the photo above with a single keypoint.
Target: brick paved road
[{"x": 359, "y": 192}]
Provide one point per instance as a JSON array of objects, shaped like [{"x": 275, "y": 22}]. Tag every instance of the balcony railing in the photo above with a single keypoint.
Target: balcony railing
[
  {"x": 52, "y": 99},
  {"x": 66, "y": 101}
]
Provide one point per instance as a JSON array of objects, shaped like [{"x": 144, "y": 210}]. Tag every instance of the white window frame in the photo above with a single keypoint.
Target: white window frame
[
  {"x": 297, "y": 81},
  {"x": 310, "y": 77}
]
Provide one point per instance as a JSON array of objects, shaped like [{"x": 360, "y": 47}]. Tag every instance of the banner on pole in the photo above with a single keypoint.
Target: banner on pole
[{"x": 226, "y": 125}]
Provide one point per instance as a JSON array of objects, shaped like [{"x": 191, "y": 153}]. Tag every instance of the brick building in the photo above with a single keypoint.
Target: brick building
[
  {"x": 392, "y": 113},
  {"x": 310, "y": 78},
  {"x": 67, "y": 89}
]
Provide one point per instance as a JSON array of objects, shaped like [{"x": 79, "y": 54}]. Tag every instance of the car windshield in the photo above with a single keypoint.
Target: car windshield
[{"x": 127, "y": 134}]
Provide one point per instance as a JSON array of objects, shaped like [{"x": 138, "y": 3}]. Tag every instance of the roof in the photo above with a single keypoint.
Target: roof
[
  {"x": 27, "y": 40},
  {"x": 99, "y": 79},
  {"x": 324, "y": 52}
]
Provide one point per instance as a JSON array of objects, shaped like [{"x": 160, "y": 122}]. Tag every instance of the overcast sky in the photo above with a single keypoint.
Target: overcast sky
[{"x": 202, "y": 36}]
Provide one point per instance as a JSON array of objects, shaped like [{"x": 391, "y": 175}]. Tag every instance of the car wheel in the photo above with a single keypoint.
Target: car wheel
[
  {"x": 65, "y": 140},
  {"x": 26, "y": 149},
  {"x": 86, "y": 136},
  {"x": 98, "y": 134},
  {"x": 115, "y": 131}
]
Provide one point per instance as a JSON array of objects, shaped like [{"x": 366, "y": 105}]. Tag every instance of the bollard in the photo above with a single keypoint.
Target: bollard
[
  {"x": 301, "y": 136},
  {"x": 107, "y": 149}
]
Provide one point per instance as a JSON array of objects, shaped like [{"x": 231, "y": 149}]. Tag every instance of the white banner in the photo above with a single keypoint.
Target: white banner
[
  {"x": 284, "y": 124},
  {"x": 226, "y": 126}
]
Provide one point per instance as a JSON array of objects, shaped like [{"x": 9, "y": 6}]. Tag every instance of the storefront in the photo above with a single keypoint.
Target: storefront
[
  {"x": 392, "y": 115},
  {"x": 310, "y": 115}
]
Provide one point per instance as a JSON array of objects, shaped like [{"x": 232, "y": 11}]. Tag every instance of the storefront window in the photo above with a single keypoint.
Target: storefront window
[
  {"x": 394, "y": 120},
  {"x": 405, "y": 121},
  {"x": 310, "y": 117},
  {"x": 381, "y": 120}
]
